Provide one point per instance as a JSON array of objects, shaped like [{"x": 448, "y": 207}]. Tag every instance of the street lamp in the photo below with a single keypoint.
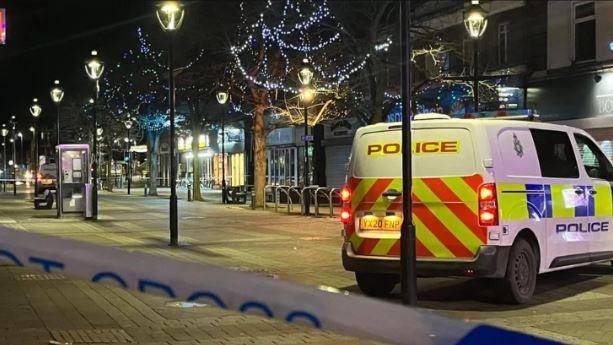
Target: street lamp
[
  {"x": 35, "y": 110},
  {"x": 20, "y": 155},
  {"x": 57, "y": 94},
  {"x": 170, "y": 15},
  {"x": 94, "y": 69},
  {"x": 222, "y": 98},
  {"x": 5, "y": 132},
  {"x": 475, "y": 24},
  {"x": 13, "y": 165},
  {"x": 307, "y": 94},
  {"x": 305, "y": 75},
  {"x": 128, "y": 123}
]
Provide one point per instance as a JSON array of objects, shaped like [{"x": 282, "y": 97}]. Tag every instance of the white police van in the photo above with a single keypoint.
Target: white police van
[{"x": 491, "y": 198}]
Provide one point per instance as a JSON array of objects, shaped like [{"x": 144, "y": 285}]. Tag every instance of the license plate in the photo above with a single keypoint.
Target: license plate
[{"x": 380, "y": 223}]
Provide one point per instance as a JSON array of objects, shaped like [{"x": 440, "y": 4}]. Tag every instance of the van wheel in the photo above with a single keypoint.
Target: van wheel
[
  {"x": 520, "y": 278},
  {"x": 376, "y": 284}
]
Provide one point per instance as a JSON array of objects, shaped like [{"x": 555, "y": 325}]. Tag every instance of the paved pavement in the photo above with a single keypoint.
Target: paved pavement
[
  {"x": 573, "y": 306},
  {"x": 39, "y": 308}
]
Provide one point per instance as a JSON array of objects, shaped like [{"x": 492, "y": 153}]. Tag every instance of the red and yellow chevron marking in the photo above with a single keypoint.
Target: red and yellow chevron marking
[{"x": 444, "y": 213}]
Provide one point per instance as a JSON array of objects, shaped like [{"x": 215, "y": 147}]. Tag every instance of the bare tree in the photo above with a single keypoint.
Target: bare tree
[{"x": 270, "y": 50}]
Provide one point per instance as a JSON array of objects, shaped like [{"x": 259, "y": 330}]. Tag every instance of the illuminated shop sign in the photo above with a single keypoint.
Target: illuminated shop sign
[
  {"x": 185, "y": 144},
  {"x": 2, "y": 26}
]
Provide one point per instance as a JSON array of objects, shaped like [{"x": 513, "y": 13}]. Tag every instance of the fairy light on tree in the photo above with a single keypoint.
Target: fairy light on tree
[
  {"x": 135, "y": 85},
  {"x": 271, "y": 48}
]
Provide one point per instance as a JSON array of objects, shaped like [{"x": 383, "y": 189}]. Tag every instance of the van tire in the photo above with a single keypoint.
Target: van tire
[
  {"x": 376, "y": 284},
  {"x": 520, "y": 278}
]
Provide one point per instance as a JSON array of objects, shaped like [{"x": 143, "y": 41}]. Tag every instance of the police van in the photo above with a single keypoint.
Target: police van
[{"x": 491, "y": 198}]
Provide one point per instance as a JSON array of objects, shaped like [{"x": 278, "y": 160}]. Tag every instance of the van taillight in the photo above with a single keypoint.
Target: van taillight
[
  {"x": 346, "y": 194},
  {"x": 346, "y": 214},
  {"x": 346, "y": 209},
  {"x": 488, "y": 205}
]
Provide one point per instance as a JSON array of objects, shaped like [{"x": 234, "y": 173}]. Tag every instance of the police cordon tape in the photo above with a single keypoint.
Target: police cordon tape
[{"x": 323, "y": 308}]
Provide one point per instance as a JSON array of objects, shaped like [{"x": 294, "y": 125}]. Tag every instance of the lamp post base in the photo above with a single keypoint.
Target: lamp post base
[{"x": 174, "y": 228}]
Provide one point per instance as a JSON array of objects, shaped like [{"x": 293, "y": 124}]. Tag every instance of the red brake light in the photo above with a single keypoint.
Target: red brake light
[
  {"x": 346, "y": 194},
  {"x": 487, "y": 192},
  {"x": 345, "y": 215},
  {"x": 488, "y": 205}
]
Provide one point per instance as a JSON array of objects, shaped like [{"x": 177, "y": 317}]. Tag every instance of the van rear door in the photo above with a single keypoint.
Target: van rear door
[{"x": 445, "y": 183}]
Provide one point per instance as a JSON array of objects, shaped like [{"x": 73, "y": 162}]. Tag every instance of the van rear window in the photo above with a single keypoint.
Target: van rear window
[{"x": 437, "y": 152}]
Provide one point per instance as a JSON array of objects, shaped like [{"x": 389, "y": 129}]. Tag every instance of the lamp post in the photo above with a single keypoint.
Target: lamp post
[
  {"x": 475, "y": 24},
  {"x": 305, "y": 75},
  {"x": 222, "y": 98},
  {"x": 57, "y": 94},
  {"x": 94, "y": 68},
  {"x": 13, "y": 162},
  {"x": 20, "y": 155},
  {"x": 5, "y": 132},
  {"x": 128, "y": 123},
  {"x": 170, "y": 15},
  {"x": 408, "y": 276},
  {"x": 32, "y": 130},
  {"x": 35, "y": 110}
]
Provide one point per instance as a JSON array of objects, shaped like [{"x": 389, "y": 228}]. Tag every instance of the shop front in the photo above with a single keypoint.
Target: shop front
[
  {"x": 582, "y": 100},
  {"x": 285, "y": 157},
  {"x": 211, "y": 159},
  {"x": 338, "y": 138}
]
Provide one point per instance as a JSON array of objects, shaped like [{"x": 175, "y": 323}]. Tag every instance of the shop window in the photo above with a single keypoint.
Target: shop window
[{"x": 584, "y": 31}]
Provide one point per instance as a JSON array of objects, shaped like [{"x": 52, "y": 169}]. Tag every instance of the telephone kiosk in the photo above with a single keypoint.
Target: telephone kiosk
[{"x": 74, "y": 188}]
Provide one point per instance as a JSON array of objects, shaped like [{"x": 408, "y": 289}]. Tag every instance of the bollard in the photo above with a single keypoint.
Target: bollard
[
  {"x": 189, "y": 192},
  {"x": 145, "y": 188},
  {"x": 253, "y": 200},
  {"x": 14, "y": 187}
]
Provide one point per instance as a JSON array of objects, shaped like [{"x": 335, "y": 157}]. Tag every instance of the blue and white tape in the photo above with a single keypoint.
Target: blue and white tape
[{"x": 246, "y": 292}]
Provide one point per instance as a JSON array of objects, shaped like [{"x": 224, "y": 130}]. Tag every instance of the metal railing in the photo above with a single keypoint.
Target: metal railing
[
  {"x": 296, "y": 190},
  {"x": 310, "y": 193},
  {"x": 276, "y": 191},
  {"x": 329, "y": 194},
  {"x": 277, "y": 197},
  {"x": 269, "y": 189}
]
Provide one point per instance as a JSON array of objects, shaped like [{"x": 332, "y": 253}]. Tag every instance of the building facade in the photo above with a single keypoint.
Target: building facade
[
  {"x": 211, "y": 158},
  {"x": 576, "y": 88}
]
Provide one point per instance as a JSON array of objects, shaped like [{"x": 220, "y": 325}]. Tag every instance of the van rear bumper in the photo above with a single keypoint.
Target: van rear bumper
[{"x": 490, "y": 262}]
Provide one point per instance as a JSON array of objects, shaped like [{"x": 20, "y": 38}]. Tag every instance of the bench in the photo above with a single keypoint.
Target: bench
[
  {"x": 45, "y": 201},
  {"x": 237, "y": 195}
]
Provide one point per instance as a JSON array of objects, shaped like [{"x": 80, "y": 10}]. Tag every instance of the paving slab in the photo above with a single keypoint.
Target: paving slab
[
  {"x": 85, "y": 313},
  {"x": 573, "y": 306}
]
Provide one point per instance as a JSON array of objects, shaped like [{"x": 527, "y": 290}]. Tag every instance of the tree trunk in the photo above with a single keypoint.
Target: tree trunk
[
  {"x": 249, "y": 151},
  {"x": 153, "y": 148},
  {"x": 196, "y": 163},
  {"x": 109, "y": 169},
  {"x": 260, "y": 155},
  {"x": 195, "y": 121}
]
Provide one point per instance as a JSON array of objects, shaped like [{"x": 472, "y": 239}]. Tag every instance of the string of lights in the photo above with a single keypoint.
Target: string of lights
[
  {"x": 304, "y": 30},
  {"x": 136, "y": 79}
]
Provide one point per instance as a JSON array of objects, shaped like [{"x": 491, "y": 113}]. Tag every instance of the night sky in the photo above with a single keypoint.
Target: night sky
[{"x": 48, "y": 40}]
